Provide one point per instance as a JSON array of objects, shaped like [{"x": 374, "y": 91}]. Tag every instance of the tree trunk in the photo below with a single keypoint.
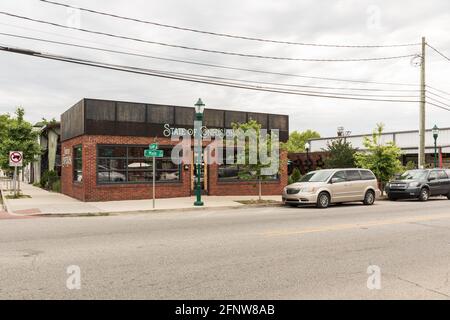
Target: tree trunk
[{"x": 259, "y": 189}]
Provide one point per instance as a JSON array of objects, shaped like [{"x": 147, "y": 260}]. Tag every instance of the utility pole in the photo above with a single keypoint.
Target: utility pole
[{"x": 422, "y": 109}]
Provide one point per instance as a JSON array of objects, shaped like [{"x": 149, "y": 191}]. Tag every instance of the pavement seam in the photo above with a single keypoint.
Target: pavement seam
[{"x": 422, "y": 287}]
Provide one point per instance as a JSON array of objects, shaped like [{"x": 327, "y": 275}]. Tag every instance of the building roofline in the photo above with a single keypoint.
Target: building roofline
[
  {"x": 369, "y": 134},
  {"x": 192, "y": 107}
]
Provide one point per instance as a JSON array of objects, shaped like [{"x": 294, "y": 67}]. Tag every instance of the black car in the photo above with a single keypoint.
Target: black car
[{"x": 420, "y": 184}]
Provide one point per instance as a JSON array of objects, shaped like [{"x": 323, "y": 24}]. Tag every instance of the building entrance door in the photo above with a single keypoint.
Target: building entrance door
[{"x": 203, "y": 173}]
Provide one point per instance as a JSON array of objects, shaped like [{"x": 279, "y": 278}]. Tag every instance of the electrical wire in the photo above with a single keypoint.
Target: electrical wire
[
  {"x": 168, "y": 75},
  {"x": 438, "y": 52},
  {"x": 438, "y": 90},
  {"x": 437, "y": 101},
  {"x": 439, "y": 96},
  {"x": 224, "y": 34},
  {"x": 222, "y": 78},
  {"x": 202, "y": 49},
  {"x": 438, "y": 106},
  {"x": 224, "y": 67}
]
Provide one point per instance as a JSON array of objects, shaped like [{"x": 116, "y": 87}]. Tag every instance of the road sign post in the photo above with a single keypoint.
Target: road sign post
[
  {"x": 153, "y": 152},
  {"x": 16, "y": 160}
]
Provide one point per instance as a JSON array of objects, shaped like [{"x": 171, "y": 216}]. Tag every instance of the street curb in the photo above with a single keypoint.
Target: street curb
[
  {"x": 104, "y": 214},
  {"x": 5, "y": 203}
]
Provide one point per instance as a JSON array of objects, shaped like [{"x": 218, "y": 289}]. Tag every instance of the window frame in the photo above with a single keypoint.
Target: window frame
[
  {"x": 344, "y": 172},
  {"x": 74, "y": 162},
  {"x": 373, "y": 177},
  {"x": 126, "y": 171},
  {"x": 445, "y": 175},
  {"x": 349, "y": 178}
]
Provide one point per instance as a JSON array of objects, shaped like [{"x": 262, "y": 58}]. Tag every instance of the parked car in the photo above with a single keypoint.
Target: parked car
[
  {"x": 420, "y": 184},
  {"x": 323, "y": 187}
]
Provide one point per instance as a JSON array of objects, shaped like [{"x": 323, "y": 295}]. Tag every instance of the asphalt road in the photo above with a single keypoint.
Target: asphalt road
[{"x": 251, "y": 253}]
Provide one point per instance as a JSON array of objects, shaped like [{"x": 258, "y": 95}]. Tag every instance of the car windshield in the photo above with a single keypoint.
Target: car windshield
[
  {"x": 413, "y": 175},
  {"x": 317, "y": 176}
]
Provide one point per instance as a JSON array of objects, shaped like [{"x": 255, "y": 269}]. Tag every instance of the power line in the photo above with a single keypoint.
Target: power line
[
  {"x": 251, "y": 81},
  {"x": 439, "y": 90},
  {"x": 438, "y": 106},
  {"x": 439, "y": 96},
  {"x": 225, "y": 34},
  {"x": 438, "y": 52},
  {"x": 169, "y": 75},
  {"x": 202, "y": 49},
  {"x": 437, "y": 101},
  {"x": 243, "y": 69}
]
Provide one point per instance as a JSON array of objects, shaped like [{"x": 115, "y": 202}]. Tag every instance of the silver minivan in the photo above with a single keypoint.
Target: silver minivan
[{"x": 324, "y": 187}]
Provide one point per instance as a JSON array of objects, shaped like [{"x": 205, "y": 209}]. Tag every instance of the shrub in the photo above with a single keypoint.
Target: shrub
[
  {"x": 48, "y": 179},
  {"x": 295, "y": 176},
  {"x": 57, "y": 186}
]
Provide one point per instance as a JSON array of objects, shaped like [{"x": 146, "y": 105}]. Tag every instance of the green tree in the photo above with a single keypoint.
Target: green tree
[
  {"x": 255, "y": 171},
  {"x": 382, "y": 159},
  {"x": 295, "y": 176},
  {"x": 17, "y": 135},
  {"x": 297, "y": 140},
  {"x": 341, "y": 154}
]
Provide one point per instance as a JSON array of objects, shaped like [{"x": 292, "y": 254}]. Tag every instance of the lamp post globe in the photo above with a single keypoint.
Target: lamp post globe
[
  {"x": 307, "y": 146},
  {"x": 435, "y": 132},
  {"x": 199, "y": 109}
]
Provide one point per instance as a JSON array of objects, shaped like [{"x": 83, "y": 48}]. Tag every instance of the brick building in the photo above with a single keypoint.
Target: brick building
[{"x": 103, "y": 143}]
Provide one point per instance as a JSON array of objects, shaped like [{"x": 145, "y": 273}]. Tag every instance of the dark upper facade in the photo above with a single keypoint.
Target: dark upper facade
[{"x": 117, "y": 118}]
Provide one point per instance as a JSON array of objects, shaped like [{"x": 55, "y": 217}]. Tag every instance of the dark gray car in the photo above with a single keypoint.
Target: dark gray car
[{"x": 420, "y": 184}]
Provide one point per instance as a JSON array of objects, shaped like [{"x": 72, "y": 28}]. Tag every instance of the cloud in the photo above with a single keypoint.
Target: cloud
[{"x": 48, "y": 88}]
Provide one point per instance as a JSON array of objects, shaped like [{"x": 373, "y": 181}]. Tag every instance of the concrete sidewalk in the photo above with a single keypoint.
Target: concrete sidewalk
[{"x": 43, "y": 202}]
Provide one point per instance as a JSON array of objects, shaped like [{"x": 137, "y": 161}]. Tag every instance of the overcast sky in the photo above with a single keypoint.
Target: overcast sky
[{"x": 48, "y": 88}]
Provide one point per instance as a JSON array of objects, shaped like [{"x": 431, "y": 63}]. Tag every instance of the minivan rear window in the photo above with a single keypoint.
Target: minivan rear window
[
  {"x": 353, "y": 175},
  {"x": 366, "y": 175}
]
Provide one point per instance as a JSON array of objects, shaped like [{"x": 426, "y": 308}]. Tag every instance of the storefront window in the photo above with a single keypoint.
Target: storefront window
[
  {"x": 230, "y": 171},
  {"x": 126, "y": 164},
  {"x": 78, "y": 164}
]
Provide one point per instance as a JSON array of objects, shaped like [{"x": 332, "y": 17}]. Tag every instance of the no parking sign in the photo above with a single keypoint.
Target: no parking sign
[{"x": 15, "y": 158}]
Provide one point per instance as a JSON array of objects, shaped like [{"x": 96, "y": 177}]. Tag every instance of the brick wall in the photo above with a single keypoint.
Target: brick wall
[{"x": 89, "y": 190}]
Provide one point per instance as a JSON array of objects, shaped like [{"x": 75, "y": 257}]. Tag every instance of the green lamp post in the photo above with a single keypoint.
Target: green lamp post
[
  {"x": 435, "y": 136},
  {"x": 199, "y": 108}
]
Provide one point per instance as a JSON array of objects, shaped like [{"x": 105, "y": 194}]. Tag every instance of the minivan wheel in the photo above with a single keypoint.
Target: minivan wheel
[
  {"x": 448, "y": 196},
  {"x": 424, "y": 194},
  {"x": 323, "y": 200},
  {"x": 369, "y": 198}
]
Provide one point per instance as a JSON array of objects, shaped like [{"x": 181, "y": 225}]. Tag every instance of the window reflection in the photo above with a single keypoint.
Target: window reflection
[{"x": 126, "y": 164}]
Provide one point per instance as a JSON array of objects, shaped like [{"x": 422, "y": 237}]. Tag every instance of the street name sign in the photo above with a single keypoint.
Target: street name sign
[
  {"x": 148, "y": 153},
  {"x": 153, "y": 152}
]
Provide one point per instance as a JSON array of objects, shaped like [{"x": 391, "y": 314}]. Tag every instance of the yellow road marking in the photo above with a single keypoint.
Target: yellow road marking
[{"x": 358, "y": 225}]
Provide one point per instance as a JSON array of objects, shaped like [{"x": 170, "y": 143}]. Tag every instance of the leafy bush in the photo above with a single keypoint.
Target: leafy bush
[
  {"x": 290, "y": 181},
  {"x": 295, "y": 176},
  {"x": 48, "y": 179},
  {"x": 410, "y": 165},
  {"x": 57, "y": 186}
]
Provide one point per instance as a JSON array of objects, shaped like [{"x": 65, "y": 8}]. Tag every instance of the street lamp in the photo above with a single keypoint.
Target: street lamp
[
  {"x": 435, "y": 136},
  {"x": 199, "y": 108},
  {"x": 307, "y": 147}
]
